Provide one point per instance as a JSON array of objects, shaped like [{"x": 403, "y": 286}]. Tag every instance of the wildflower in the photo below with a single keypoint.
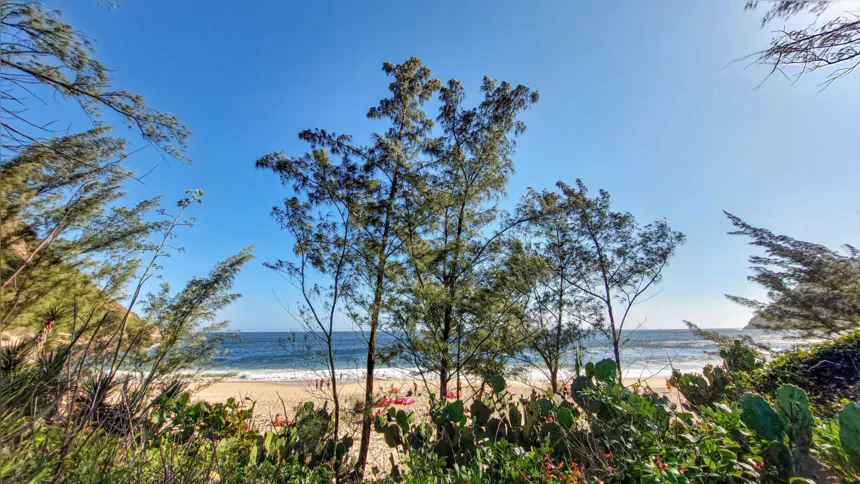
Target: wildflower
[{"x": 608, "y": 455}]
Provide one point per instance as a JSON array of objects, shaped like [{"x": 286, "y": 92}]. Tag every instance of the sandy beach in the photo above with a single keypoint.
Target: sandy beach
[{"x": 273, "y": 398}]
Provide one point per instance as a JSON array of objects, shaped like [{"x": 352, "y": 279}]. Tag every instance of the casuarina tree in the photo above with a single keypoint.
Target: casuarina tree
[
  {"x": 448, "y": 255},
  {"x": 617, "y": 261},
  {"x": 810, "y": 288},
  {"x": 558, "y": 313},
  {"x": 382, "y": 177}
]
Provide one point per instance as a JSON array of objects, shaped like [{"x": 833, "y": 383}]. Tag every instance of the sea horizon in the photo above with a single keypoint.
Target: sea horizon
[{"x": 296, "y": 355}]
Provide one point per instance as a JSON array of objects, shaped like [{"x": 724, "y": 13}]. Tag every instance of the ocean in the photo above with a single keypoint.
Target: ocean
[{"x": 294, "y": 356}]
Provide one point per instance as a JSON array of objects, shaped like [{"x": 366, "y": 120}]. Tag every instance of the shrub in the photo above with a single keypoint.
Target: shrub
[{"x": 829, "y": 373}]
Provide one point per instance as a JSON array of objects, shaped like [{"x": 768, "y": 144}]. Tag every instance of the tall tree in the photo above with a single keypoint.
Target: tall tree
[
  {"x": 617, "y": 261},
  {"x": 61, "y": 192},
  {"x": 810, "y": 288},
  {"x": 559, "y": 313},
  {"x": 447, "y": 255},
  {"x": 323, "y": 245},
  {"x": 381, "y": 176},
  {"x": 833, "y": 45}
]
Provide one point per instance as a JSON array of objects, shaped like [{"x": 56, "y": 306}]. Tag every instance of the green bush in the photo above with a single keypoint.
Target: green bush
[
  {"x": 603, "y": 432},
  {"x": 829, "y": 373}
]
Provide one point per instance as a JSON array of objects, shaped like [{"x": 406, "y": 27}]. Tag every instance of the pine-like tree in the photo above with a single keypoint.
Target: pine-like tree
[
  {"x": 380, "y": 178},
  {"x": 833, "y": 45},
  {"x": 811, "y": 289},
  {"x": 450, "y": 253},
  {"x": 64, "y": 234},
  {"x": 559, "y": 313},
  {"x": 617, "y": 261}
]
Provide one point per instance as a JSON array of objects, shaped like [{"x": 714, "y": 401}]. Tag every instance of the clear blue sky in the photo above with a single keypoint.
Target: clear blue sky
[{"x": 636, "y": 98}]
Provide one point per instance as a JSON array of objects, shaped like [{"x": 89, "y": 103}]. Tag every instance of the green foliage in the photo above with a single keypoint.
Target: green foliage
[
  {"x": 849, "y": 432},
  {"x": 557, "y": 317},
  {"x": 829, "y": 372},
  {"x": 181, "y": 429},
  {"x": 796, "y": 443},
  {"x": 613, "y": 260},
  {"x": 462, "y": 304},
  {"x": 793, "y": 408},
  {"x": 41, "y": 48},
  {"x": 712, "y": 386},
  {"x": 605, "y": 370},
  {"x": 739, "y": 356},
  {"x": 382, "y": 179},
  {"x": 761, "y": 417},
  {"x": 61, "y": 247},
  {"x": 811, "y": 288},
  {"x": 614, "y": 434}
]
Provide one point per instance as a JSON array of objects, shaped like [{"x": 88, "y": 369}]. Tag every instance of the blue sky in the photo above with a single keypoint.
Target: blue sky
[{"x": 638, "y": 98}]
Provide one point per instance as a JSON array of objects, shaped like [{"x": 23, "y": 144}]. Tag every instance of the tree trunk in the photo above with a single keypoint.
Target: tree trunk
[
  {"x": 334, "y": 395},
  {"x": 443, "y": 365},
  {"x": 616, "y": 348},
  {"x": 367, "y": 416}
]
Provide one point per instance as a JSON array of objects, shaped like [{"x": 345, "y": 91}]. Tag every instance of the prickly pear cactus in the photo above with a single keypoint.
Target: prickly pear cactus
[
  {"x": 849, "y": 432},
  {"x": 700, "y": 390},
  {"x": 480, "y": 413},
  {"x": 565, "y": 418},
  {"x": 392, "y": 435},
  {"x": 498, "y": 383},
  {"x": 606, "y": 370},
  {"x": 792, "y": 406},
  {"x": 739, "y": 357},
  {"x": 758, "y": 415}
]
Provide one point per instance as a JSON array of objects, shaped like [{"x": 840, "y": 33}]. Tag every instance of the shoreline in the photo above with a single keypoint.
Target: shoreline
[
  {"x": 523, "y": 373},
  {"x": 277, "y": 396}
]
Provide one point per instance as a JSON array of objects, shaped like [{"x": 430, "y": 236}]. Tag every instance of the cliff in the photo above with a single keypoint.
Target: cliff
[{"x": 758, "y": 322}]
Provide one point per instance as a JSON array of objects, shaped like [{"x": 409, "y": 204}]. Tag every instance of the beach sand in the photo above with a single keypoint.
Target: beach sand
[{"x": 273, "y": 399}]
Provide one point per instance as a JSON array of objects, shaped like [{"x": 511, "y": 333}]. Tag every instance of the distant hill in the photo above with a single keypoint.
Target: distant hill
[
  {"x": 758, "y": 322},
  {"x": 49, "y": 283}
]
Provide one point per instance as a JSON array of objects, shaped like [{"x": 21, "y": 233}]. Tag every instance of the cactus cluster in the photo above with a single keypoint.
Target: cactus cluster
[
  {"x": 738, "y": 356},
  {"x": 551, "y": 421},
  {"x": 788, "y": 427},
  {"x": 712, "y": 386},
  {"x": 306, "y": 438},
  {"x": 493, "y": 417}
]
